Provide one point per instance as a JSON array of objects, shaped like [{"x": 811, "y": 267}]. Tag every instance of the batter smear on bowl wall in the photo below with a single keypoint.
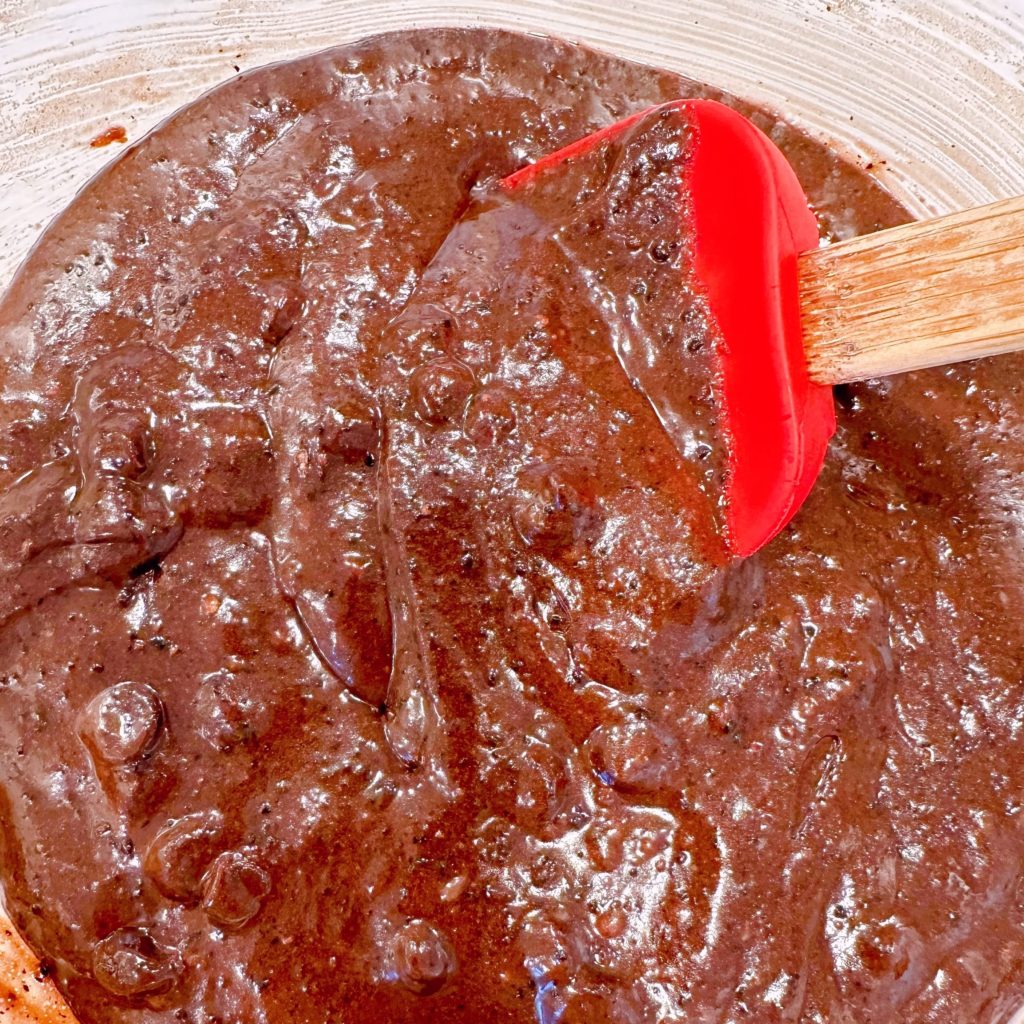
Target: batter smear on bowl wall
[{"x": 370, "y": 650}]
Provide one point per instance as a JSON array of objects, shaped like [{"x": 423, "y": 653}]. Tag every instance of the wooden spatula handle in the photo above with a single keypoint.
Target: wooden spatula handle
[{"x": 923, "y": 294}]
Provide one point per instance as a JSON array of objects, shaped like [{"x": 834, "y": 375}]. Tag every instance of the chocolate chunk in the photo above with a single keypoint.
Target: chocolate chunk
[
  {"x": 423, "y": 958},
  {"x": 180, "y": 853},
  {"x": 129, "y": 963}
]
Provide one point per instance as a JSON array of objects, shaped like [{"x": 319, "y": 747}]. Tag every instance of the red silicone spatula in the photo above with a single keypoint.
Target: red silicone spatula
[{"x": 793, "y": 319}]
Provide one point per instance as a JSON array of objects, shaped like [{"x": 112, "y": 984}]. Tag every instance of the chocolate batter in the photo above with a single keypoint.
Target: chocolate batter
[{"x": 369, "y": 652}]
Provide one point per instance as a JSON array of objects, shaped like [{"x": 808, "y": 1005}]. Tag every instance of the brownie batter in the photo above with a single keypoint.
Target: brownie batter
[{"x": 369, "y": 651}]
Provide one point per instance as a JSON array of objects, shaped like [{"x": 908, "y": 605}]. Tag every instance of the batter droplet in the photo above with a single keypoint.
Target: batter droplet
[
  {"x": 440, "y": 390},
  {"x": 234, "y": 889},
  {"x": 552, "y": 511},
  {"x": 178, "y": 857},
  {"x": 611, "y": 923},
  {"x": 423, "y": 958},
  {"x": 123, "y": 724},
  {"x": 130, "y": 963},
  {"x": 491, "y": 416},
  {"x": 228, "y": 717},
  {"x": 631, "y": 756}
]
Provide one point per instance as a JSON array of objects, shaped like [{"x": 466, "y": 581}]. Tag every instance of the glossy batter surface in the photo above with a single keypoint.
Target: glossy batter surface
[{"x": 368, "y": 649}]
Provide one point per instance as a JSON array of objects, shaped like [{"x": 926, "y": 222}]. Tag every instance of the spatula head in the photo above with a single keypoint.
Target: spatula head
[{"x": 748, "y": 219}]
